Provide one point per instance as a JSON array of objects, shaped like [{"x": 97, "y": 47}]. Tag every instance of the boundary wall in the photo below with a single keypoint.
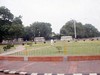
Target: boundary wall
[{"x": 50, "y": 58}]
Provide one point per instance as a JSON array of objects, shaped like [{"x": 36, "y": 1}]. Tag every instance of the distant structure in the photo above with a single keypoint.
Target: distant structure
[
  {"x": 66, "y": 38},
  {"x": 14, "y": 41},
  {"x": 39, "y": 39}
]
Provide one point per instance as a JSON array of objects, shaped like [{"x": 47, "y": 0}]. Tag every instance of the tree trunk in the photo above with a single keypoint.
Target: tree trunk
[{"x": 1, "y": 39}]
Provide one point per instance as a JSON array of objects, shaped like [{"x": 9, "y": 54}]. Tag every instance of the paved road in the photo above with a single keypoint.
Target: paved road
[{"x": 52, "y": 67}]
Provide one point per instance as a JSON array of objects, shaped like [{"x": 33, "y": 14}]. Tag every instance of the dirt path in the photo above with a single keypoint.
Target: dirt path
[{"x": 18, "y": 49}]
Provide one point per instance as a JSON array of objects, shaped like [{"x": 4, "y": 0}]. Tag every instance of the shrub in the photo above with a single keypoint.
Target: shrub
[
  {"x": 8, "y": 46},
  {"x": 35, "y": 42},
  {"x": 22, "y": 43},
  {"x": 84, "y": 40},
  {"x": 59, "y": 48},
  {"x": 5, "y": 48},
  {"x": 92, "y": 39},
  {"x": 68, "y": 41},
  {"x": 29, "y": 43},
  {"x": 44, "y": 42}
]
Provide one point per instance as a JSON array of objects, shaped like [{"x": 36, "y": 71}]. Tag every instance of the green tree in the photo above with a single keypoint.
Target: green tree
[
  {"x": 90, "y": 31},
  {"x": 10, "y": 27},
  {"x": 14, "y": 30},
  {"x": 18, "y": 27},
  {"x": 17, "y": 20},
  {"x": 41, "y": 29},
  {"x": 82, "y": 31},
  {"x": 6, "y": 18},
  {"x": 28, "y": 34},
  {"x": 5, "y": 14},
  {"x": 68, "y": 29}
]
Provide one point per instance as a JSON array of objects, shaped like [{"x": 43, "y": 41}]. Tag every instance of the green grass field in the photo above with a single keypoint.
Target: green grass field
[
  {"x": 65, "y": 48},
  {"x": 2, "y": 50}
]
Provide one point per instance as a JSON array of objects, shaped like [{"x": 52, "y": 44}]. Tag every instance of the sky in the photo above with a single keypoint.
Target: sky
[{"x": 55, "y": 12}]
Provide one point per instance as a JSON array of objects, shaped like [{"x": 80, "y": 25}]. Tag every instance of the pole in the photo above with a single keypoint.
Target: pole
[
  {"x": 39, "y": 33},
  {"x": 65, "y": 47},
  {"x": 75, "y": 29}
]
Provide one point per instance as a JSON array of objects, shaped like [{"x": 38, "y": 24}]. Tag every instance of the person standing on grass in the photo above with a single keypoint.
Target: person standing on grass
[{"x": 52, "y": 42}]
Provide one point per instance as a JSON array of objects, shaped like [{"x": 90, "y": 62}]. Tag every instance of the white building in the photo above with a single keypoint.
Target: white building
[
  {"x": 66, "y": 38},
  {"x": 39, "y": 39}
]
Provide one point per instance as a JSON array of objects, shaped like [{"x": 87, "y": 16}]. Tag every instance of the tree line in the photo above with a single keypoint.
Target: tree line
[
  {"x": 12, "y": 27},
  {"x": 82, "y": 31},
  {"x": 37, "y": 29}
]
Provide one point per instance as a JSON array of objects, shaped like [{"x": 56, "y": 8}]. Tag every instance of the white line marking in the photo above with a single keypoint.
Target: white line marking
[
  {"x": 34, "y": 74},
  {"x": 12, "y": 72},
  {"x": 93, "y": 74},
  {"x": 77, "y": 74},
  {"x": 22, "y": 73},
  {"x": 48, "y": 74}
]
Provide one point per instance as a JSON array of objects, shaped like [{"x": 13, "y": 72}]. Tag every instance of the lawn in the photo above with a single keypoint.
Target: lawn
[
  {"x": 62, "y": 48},
  {"x": 2, "y": 50}
]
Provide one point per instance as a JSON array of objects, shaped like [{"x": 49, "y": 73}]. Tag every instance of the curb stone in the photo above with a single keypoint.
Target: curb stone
[{"x": 26, "y": 73}]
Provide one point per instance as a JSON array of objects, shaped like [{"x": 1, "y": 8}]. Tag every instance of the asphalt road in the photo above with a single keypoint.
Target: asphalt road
[{"x": 67, "y": 67}]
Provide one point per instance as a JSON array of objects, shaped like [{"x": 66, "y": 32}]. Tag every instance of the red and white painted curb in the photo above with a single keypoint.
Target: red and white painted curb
[{"x": 26, "y": 73}]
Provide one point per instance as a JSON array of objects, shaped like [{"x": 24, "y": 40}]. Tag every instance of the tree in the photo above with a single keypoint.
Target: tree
[
  {"x": 10, "y": 27},
  {"x": 41, "y": 29},
  {"x": 5, "y": 14},
  {"x": 82, "y": 31},
  {"x": 6, "y": 18},
  {"x": 90, "y": 31},
  {"x": 18, "y": 27},
  {"x": 68, "y": 29},
  {"x": 17, "y": 20},
  {"x": 27, "y": 35},
  {"x": 14, "y": 30}
]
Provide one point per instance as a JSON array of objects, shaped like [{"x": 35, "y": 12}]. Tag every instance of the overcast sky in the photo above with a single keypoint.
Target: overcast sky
[{"x": 56, "y": 12}]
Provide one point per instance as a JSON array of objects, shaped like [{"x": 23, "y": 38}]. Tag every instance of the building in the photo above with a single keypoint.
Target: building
[
  {"x": 66, "y": 38},
  {"x": 39, "y": 39}
]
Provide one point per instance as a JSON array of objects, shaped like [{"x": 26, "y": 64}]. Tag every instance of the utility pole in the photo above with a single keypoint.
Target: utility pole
[
  {"x": 74, "y": 22},
  {"x": 39, "y": 33}
]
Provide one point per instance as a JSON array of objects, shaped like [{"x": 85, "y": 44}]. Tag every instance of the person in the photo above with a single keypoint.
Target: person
[{"x": 52, "y": 42}]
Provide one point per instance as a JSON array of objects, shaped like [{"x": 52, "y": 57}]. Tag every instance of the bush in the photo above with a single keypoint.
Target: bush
[
  {"x": 35, "y": 42},
  {"x": 5, "y": 48},
  {"x": 68, "y": 41},
  {"x": 92, "y": 39},
  {"x": 84, "y": 40},
  {"x": 22, "y": 43},
  {"x": 97, "y": 39},
  {"x": 59, "y": 48},
  {"x": 44, "y": 42},
  {"x": 8, "y": 47},
  {"x": 29, "y": 43}
]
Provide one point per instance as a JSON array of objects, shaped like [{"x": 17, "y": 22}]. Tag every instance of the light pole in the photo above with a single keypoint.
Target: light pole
[
  {"x": 34, "y": 32},
  {"x": 39, "y": 33},
  {"x": 75, "y": 29}
]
